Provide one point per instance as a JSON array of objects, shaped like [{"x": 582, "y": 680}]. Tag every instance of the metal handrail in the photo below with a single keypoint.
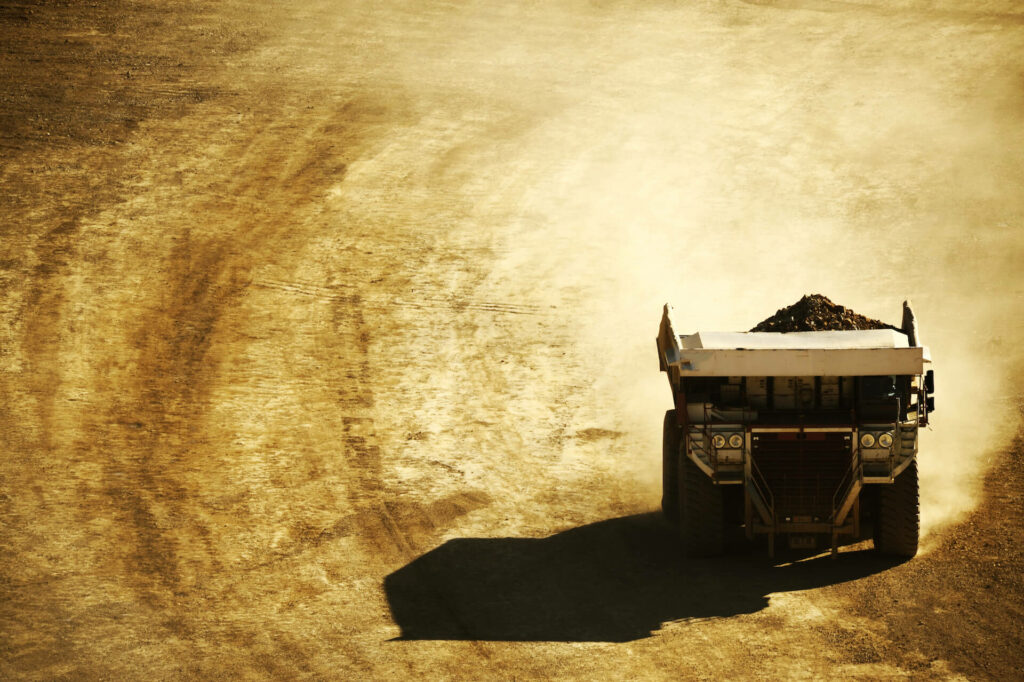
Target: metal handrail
[
  {"x": 855, "y": 473},
  {"x": 704, "y": 445},
  {"x": 761, "y": 486},
  {"x": 708, "y": 449}
]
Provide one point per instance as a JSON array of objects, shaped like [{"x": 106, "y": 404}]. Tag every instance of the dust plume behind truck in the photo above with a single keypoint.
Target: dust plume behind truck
[{"x": 808, "y": 435}]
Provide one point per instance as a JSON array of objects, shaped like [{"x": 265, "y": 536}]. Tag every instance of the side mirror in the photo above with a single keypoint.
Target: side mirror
[
  {"x": 930, "y": 402},
  {"x": 929, "y": 381}
]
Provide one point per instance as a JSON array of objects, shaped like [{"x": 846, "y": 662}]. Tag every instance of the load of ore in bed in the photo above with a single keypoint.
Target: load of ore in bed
[{"x": 816, "y": 313}]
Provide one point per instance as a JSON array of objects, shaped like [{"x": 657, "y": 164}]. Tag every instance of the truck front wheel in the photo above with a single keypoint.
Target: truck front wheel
[
  {"x": 670, "y": 468},
  {"x": 898, "y": 524},
  {"x": 701, "y": 512}
]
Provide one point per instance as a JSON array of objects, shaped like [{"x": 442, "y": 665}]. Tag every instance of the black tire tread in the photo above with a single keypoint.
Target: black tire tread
[
  {"x": 898, "y": 524},
  {"x": 701, "y": 517},
  {"x": 670, "y": 468}
]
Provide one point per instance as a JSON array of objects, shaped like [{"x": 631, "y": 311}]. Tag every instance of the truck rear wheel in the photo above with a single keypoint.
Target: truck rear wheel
[
  {"x": 701, "y": 522},
  {"x": 670, "y": 468},
  {"x": 898, "y": 522}
]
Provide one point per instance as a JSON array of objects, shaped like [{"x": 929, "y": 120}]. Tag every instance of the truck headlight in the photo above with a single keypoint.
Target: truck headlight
[
  {"x": 736, "y": 441},
  {"x": 885, "y": 440},
  {"x": 867, "y": 440},
  {"x": 718, "y": 440}
]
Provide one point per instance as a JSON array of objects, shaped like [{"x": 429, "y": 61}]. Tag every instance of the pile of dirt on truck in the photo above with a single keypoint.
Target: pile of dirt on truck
[{"x": 816, "y": 313}]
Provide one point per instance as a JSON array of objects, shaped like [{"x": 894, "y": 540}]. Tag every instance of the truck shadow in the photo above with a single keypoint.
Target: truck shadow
[{"x": 613, "y": 581}]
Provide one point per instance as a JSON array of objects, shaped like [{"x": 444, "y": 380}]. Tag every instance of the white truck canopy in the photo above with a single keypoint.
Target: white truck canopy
[{"x": 870, "y": 352}]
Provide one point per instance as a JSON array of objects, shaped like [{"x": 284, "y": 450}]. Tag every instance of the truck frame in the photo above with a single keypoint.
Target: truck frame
[{"x": 807, "y": 435}]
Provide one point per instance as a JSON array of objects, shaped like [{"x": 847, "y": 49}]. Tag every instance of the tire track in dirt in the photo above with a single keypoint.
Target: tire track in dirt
[
  {"x": 185, "y": 328},
  {"x": 176, "y": 349},
  {"x": 68, "y": 159},
  {"x": 188, "y": 333},
  {"x": 69, "y": 110},
  {"x": 151, "y": 433}
]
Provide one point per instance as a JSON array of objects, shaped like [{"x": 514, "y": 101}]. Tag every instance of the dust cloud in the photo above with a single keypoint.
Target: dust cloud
[{"x": 866, "y": 154}]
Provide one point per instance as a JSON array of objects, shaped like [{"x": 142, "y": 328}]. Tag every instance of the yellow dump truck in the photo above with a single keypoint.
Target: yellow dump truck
[{"x": 804, "y": 435}]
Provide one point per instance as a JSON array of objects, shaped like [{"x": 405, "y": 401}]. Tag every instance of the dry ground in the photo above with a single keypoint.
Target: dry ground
[{"x": 326, "y": 330}]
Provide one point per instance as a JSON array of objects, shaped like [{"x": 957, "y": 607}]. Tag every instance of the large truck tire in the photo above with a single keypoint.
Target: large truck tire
[
  {"x": 670, "y": 439},
  {"x": 898, "y": 522},
  {"x": 701, "y": 512}
]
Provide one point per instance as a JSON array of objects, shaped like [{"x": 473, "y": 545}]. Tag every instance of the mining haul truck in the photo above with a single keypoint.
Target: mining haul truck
[{"x": 805, "y": 435}]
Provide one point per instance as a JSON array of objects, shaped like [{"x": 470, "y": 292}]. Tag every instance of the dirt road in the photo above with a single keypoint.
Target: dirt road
[{"x": 326, "y": 332}]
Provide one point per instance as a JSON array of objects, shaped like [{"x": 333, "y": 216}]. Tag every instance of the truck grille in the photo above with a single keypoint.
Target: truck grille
[{"x": 803, "y": 471}]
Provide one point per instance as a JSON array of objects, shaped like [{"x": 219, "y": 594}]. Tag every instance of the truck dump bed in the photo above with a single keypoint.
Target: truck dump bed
[{"x": 870, "y": 352}]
